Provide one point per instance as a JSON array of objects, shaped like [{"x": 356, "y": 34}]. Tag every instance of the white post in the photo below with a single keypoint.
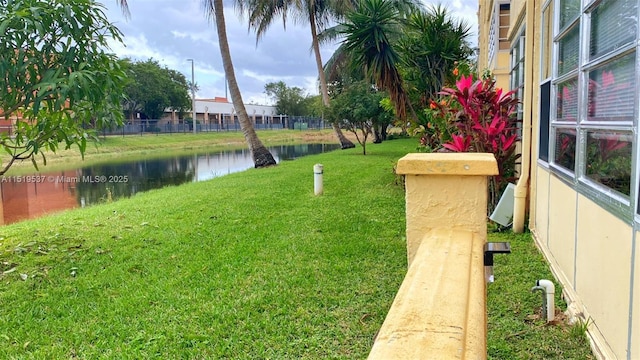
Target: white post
[{"x": 317, "y": 178}]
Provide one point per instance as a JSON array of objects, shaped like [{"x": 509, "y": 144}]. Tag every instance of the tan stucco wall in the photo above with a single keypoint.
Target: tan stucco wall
[
  {"x": 603, "y": 270},
  {"x": 440, "y": 308},
  {"x": 439, "y": 311},
  {"x": 456, "y": 204}
]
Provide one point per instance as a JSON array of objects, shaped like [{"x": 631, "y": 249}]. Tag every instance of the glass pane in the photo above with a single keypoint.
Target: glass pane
[
  {"x": 568, "y": 49},
  {"x": 567, "y": 100},
  {"x": 613, "y": 24},
  {"x": 569, "y": 10},
  {"x": 609, "y": 159},
  {"x": 565, "y": 148},
  {"x": 612, "y": 91}
]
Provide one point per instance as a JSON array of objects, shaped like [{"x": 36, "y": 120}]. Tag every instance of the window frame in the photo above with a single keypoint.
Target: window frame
[{"x": 619, "y": 204}]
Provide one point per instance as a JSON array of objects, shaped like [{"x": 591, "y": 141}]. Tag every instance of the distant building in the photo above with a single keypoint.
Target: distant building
[{"x": 219, "y": 112}]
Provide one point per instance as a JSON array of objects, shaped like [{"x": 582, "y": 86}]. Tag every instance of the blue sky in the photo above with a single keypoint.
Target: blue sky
[{"x": 172, "y": 31}]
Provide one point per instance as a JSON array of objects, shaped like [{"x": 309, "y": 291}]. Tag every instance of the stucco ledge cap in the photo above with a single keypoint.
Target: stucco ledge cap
[{"x": 447, "y": 164}]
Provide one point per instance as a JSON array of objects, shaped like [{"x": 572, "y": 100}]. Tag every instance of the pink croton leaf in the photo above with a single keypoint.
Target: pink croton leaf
[
  {"x": 507, "y": 142},
  {"x": 464, "y": 83},
  {"x": 458, "y": 143},
  {"x": 608, "y": 79}
]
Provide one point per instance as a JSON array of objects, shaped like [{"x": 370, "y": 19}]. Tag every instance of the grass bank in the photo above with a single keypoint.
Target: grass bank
[
  {"x": 249, "y": 265},
  {"x": 245, "y": 266},
  {"x": 132, "y": 147}
]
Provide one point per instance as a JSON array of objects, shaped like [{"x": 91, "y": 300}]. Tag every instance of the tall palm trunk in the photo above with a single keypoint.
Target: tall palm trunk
[
  {"x": 344, "y": 142},
  {"x": 261, "y": 156}
]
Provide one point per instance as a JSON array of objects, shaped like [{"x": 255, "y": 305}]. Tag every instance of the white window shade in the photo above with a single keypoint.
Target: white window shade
[
  {"x": 569, "y": 50},
  {"x": 567, "y": 100},
  {"x": 569, "y": 11},
  {"x": 613, "y": 25},
  {"x": 612, "y": 90}
]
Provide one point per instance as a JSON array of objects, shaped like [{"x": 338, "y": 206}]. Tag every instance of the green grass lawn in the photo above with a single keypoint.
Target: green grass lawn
[
  {"x": 250, "y": 265},
  {"x": 516, "y": 327}
]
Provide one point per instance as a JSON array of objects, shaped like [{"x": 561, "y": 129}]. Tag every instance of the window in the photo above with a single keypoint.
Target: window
[
  {"x": 545, "y": 77},
  {"x": 613, "y": 24},
  {"x": 499, "y": 30},
  {"x": 565, "y": 148},
  {"x": 611, "y": 90},
  {"x": 547, "y": 40},
  {"x": 568, "y": 47},
  {"x": 594, "y": 97},
  {"x": 569, "y": 11},
  {"x": 517, "y": 71},
  {"x": 567, "y": 100},
  {"x": 608, "y": 159},
  {"x": 503, "y": 27}
]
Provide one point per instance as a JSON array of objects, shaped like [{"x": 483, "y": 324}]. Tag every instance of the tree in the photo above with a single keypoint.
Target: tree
[
  {"x": 370, "y": 32},
  {"x": 432, "y": 45},
  {"x": 261, "y": 156},
  {"x": 318, "y": 13},
  {"x": 214, "y": 11},
  {"x": 358, "y": 109},
  {"x": 289, "y": 100},
  {"x": 153, "y": 89},
  {"x": 57, "y": 75}
]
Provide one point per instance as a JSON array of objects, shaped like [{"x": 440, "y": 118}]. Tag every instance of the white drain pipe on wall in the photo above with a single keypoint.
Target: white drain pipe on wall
[{"x": 549, "y": 290}]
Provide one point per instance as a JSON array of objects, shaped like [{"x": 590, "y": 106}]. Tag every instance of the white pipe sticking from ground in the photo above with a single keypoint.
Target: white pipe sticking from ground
[
  {"x": 318, "y": 171},
  {"x": 549, "y": 290}
]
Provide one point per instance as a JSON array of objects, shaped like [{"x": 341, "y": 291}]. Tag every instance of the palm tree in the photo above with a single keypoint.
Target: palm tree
[
  {"x": 410, "y": 52},
  {"x": 318, "y": 13},
  {"x": 370, "y": 34},
  {"x": 261, "y": 156},
  {"x": 214, "y": 10},
  {"x": 432, "y": 44}
]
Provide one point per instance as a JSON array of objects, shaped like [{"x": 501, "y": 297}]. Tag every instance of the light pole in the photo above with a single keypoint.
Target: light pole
[{"x": 193, "y": 96}]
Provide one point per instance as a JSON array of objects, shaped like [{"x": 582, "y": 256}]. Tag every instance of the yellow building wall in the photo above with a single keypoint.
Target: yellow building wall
[
  {"x": 589, "y": 249},
  {"x": 500, "y": 64},
  {"x": 517, "y": 16},
  {"x": 483, "y": 31},
  {"x": 541, "y": 199},
  {"x": 590, "y": 252},
  {"x": 603, "y": 270},
  {"x": 500, "y": 69},
  {"x": 562, "y": 227}
]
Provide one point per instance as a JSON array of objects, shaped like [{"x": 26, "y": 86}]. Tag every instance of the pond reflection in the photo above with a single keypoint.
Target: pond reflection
[{"x": 30, "y": 196}]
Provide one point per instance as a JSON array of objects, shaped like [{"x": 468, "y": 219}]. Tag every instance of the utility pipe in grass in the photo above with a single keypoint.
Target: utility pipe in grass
[
  {"x": 318, "y": 171},
  {"x": 548, "y": 301}
]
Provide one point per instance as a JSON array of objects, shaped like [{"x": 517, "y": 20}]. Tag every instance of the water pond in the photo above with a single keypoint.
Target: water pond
[{"x": 30, "y": 196}]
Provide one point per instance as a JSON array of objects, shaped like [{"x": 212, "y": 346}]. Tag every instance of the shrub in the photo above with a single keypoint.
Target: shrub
[{"x": 475, "y": 116}]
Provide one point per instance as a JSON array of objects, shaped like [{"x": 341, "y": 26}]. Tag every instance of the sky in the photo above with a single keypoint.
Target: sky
[{"x": 173, "y": 31}]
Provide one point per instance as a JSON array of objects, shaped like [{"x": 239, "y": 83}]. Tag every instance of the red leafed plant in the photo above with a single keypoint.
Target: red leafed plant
[{"x": 482, "y": 118}]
